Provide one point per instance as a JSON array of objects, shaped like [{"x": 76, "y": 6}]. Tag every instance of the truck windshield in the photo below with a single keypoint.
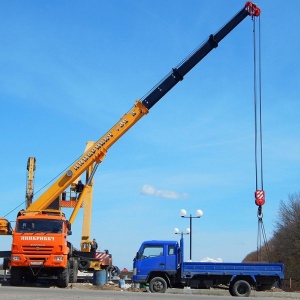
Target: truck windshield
[
  {"x": 152, "y": 251},
  {"x": 39, "y": 225}
]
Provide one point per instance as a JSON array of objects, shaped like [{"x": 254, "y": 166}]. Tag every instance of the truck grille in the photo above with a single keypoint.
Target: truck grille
[{"x": 37, "y": 249}]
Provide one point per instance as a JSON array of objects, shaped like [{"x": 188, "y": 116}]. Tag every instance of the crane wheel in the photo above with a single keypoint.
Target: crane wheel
[{"x": 84, "y": 264}]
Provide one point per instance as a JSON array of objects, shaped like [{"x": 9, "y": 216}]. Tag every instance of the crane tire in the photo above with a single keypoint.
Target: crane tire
[{"x": 84, "y": 264}]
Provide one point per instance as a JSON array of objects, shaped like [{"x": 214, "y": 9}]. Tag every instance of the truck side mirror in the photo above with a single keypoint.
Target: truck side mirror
[
  {"x": 69, "y": 227},
  {"x": 138, "y": 255}
]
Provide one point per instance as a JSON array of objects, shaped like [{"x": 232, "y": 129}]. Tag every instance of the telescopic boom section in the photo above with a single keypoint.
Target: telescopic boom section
[
  {"x": 98, "y": 151},
  {"x": 178, "y": 73}
]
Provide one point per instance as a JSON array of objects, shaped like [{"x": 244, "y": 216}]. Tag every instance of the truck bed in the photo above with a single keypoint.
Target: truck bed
[{"x": 189, "y": 269}]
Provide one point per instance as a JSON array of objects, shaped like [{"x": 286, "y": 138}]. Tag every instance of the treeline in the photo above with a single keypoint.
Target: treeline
[{"x": 284, "y": 246}]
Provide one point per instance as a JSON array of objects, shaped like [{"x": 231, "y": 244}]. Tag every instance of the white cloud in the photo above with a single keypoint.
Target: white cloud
[{"x": 150, "y": 190}]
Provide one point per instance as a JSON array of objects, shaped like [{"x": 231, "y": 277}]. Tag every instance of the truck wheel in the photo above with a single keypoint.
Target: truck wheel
[
  {"x": 241, "y": 288},
  {"x": 6, "y": 262},
  {"x": 158, "y": 285},
  {"x": 63, "y": 277},
  {"x": 74, "y": 271},
  {"x": 16, "y": 277}
]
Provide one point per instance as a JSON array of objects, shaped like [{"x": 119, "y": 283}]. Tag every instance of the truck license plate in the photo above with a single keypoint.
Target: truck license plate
[{"x": 36, "y": 263}]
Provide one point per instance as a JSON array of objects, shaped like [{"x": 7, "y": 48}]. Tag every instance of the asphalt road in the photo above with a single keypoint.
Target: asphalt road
[{"x": 42, "y": 293}]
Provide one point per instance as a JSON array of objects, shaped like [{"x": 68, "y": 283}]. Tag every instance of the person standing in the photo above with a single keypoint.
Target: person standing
[
  {"x": 94, "y": 246},
  {"x": 79, "y": 188}
]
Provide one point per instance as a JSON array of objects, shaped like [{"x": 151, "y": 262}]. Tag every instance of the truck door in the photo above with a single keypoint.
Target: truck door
[
  {"x": 152, "y": 258},
  {"x": 171, "y": 258}
]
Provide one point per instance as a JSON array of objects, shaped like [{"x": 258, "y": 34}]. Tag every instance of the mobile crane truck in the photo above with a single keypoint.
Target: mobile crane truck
[
  {"x": 39, "y": 245},
  {"x": 161, "y": 265}
]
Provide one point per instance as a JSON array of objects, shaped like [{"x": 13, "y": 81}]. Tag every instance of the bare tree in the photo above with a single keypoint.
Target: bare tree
[{"x": 285, "y": 244}]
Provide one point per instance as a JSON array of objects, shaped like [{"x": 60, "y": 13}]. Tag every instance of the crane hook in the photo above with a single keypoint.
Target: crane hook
[{"x": 259, "y": 197}]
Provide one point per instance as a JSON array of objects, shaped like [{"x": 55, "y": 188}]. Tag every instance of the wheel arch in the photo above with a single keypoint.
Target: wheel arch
[{"x": 250, "y": 279}]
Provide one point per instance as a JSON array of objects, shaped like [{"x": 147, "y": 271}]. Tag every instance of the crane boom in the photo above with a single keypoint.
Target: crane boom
[{"x": 97, "y": 151}]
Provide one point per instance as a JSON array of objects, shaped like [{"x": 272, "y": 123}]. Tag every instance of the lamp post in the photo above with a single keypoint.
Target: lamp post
[
  {"x": 199, "y": 214},
  {"x": 187, "y": 231}
]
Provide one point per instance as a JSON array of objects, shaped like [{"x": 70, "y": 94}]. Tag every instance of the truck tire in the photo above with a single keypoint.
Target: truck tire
[
  {"x": 73, "y": 271},
  {"x": 241, "y": 288},
  {"x": 63, "y": 277},
  {"x": 16, "y": 277},
  {"x": 6, "y": 262},
  {"x": 158, "y": 285}
]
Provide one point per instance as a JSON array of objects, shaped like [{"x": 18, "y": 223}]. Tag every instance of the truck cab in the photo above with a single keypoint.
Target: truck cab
[
  {"x": 156, "y": 258},
  {"x": 40, "y": 248}
]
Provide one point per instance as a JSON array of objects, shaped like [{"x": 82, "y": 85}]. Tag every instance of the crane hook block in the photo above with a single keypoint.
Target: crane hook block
[
  {"x": 252, "y": 9},
  {"x": 260, "y": 197}
]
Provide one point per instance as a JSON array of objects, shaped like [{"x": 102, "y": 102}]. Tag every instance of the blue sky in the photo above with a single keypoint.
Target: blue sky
[{"x": 71, "y": 69}]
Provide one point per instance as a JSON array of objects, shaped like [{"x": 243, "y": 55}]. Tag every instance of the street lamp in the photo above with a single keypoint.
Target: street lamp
[
  {"x": 187, "y": 231},
  {"x": 199, "y": 214}
]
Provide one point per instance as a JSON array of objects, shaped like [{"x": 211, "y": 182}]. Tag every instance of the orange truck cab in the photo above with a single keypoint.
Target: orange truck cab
[{"x": 40, "y": 248}]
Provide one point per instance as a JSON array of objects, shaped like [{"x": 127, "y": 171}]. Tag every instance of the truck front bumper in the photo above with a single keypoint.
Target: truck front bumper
[{"x": 38, "y": 261}]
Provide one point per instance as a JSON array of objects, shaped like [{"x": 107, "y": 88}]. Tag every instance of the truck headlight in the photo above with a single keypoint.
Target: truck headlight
[
  {"x": 15, "y": 258},
  {"x": 58, "y": 258}
]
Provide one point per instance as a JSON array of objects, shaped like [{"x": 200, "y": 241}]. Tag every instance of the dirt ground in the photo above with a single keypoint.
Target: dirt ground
[
  {"x": 109, "y": 286},
  {"x": 82, "y": 284}
]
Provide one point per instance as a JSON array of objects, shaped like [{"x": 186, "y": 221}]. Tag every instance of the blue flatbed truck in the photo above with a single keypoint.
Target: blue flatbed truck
[{"x": 161, "y": 265}]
